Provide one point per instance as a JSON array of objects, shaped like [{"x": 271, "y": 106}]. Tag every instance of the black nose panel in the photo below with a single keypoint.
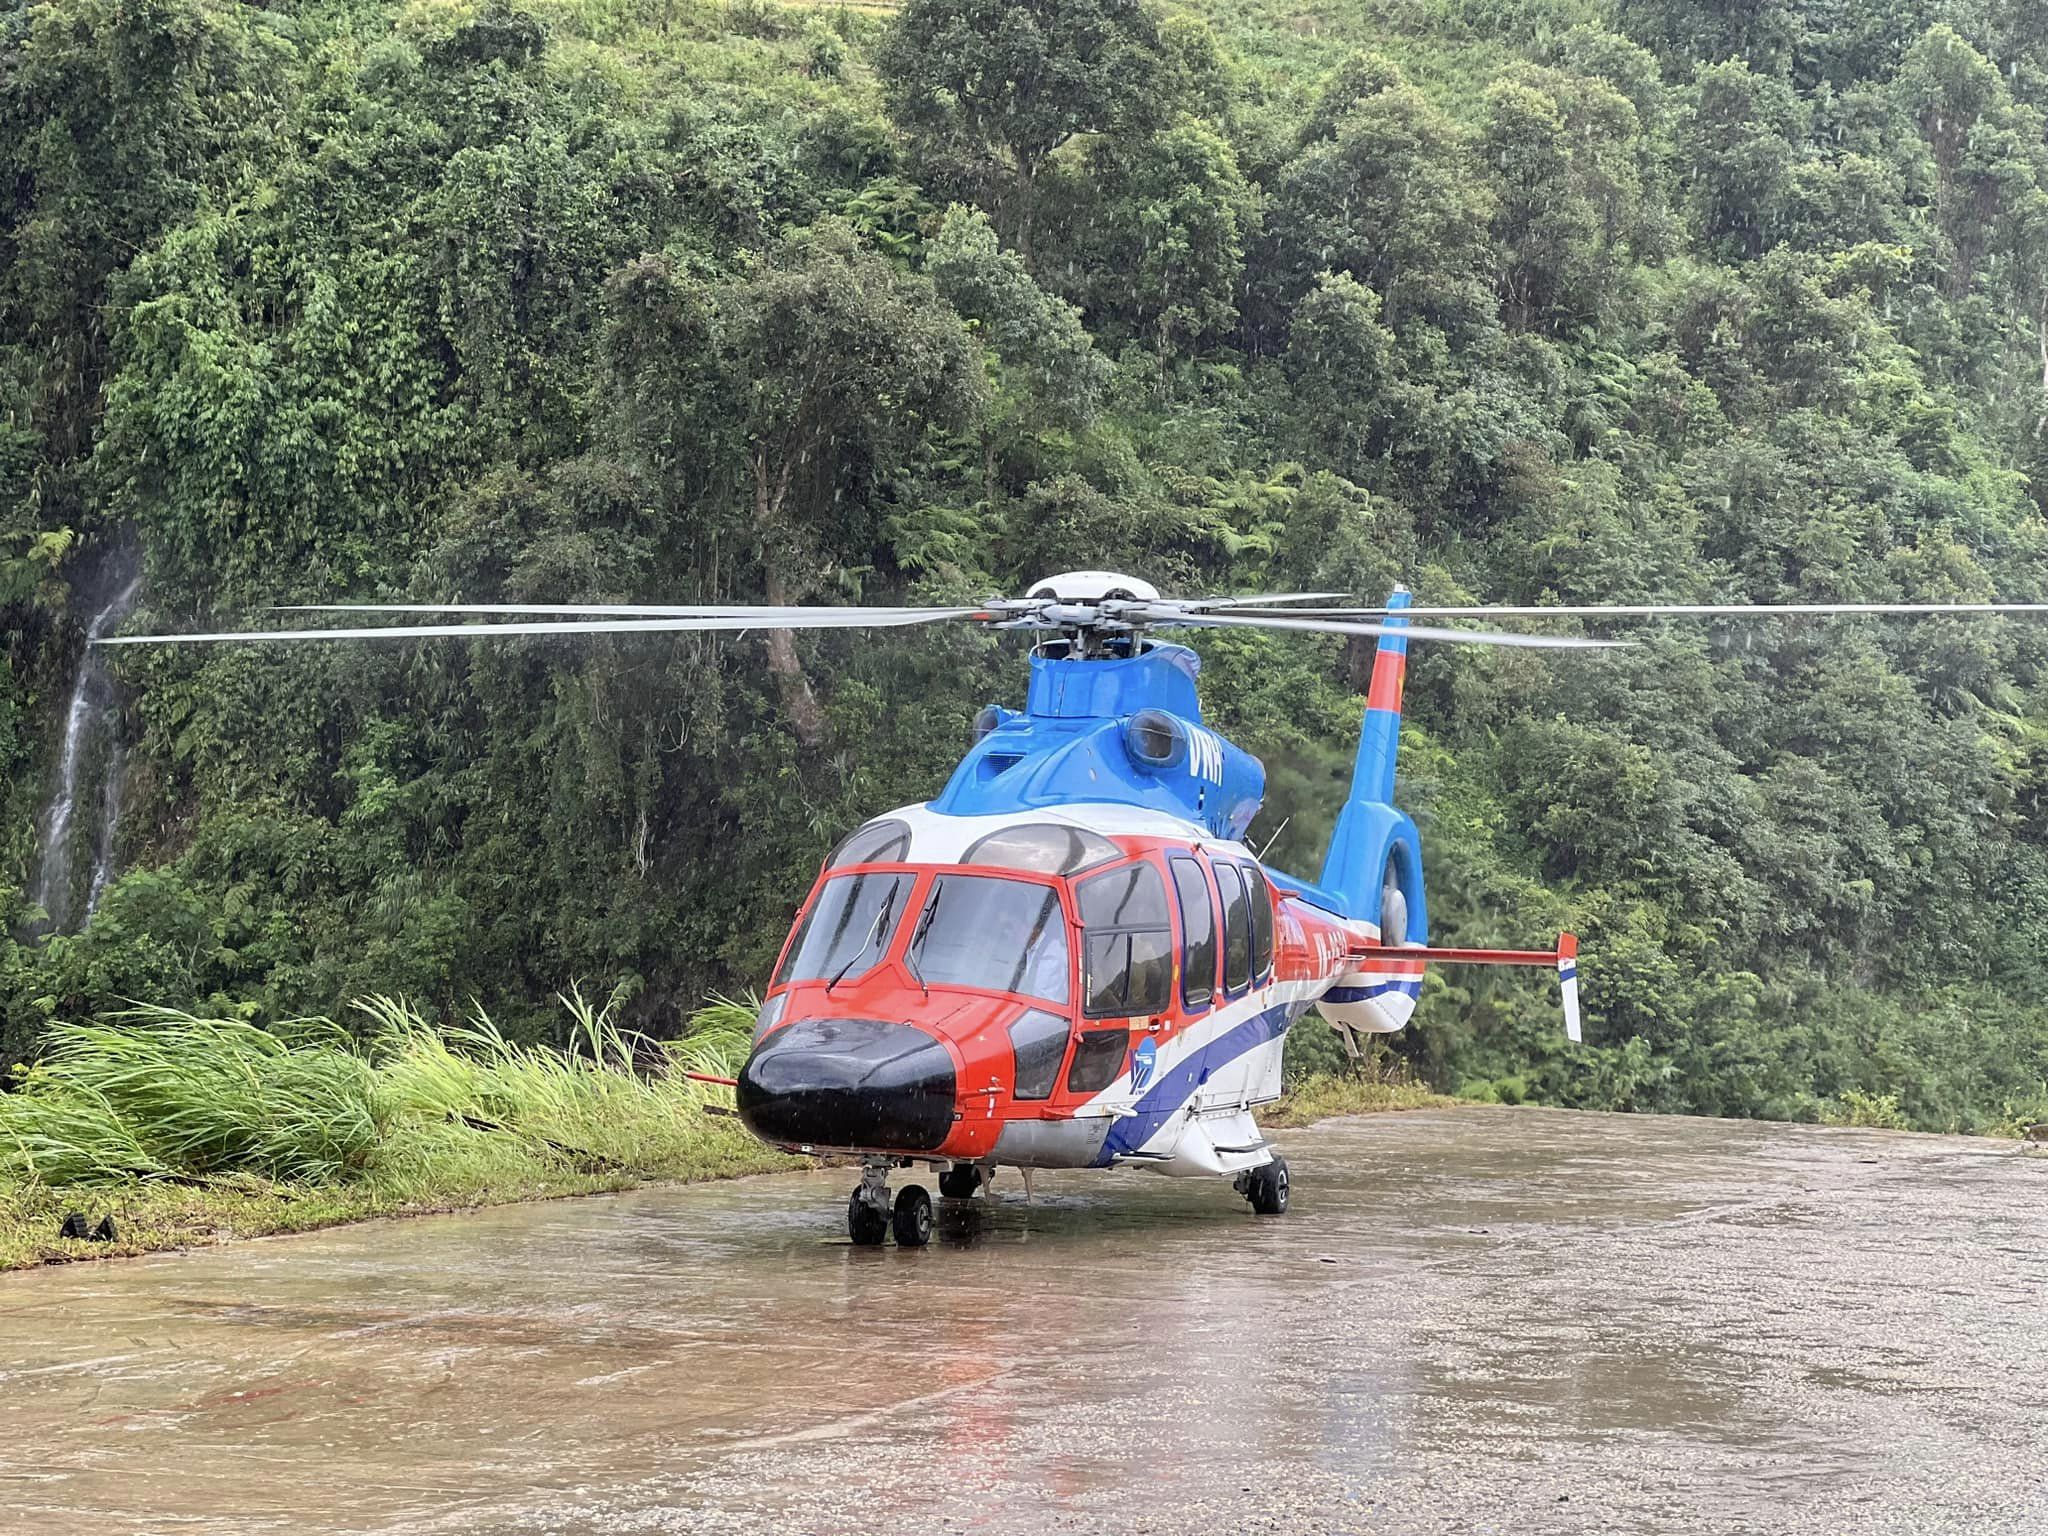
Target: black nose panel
[{"x": 854, "y": 1083}]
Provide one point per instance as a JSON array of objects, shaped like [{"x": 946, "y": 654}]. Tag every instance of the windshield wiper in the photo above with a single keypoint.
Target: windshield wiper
[
  {"x": 880, "y": 923},
  {"x": 924, "y": 926}
]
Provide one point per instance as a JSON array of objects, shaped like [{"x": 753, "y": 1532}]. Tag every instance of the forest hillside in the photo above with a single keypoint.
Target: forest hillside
[{"x": 673, "y": 300}]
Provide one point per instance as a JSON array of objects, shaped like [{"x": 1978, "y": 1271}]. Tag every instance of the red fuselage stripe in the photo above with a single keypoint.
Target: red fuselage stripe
[{"x": 1389, "y": 675}]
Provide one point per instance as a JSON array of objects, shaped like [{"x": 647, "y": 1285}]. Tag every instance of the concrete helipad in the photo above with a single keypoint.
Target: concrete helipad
[{"x": 1478, "y": 1320}]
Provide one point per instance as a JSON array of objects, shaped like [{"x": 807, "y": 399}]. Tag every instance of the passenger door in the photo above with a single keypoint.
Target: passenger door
[
  {"x": 1126, "y": 976},
  {"x": 1242, "y": 1062}
]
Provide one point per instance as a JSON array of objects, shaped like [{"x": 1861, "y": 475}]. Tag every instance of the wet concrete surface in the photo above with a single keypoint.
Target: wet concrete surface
[{"x": 1471, "y": 1321}]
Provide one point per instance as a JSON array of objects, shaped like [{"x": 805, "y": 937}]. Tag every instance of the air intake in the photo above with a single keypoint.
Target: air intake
[{"x": 1156, "y": 740}]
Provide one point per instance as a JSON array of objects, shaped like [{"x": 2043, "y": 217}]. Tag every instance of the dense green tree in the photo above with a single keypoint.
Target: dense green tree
[
  {"x": 1389, "y": 194},
  {"x": 1342, "y": 363},
  {"x": 1989, "y": 160},
  {"x": 1014, "y": 81},
  {"x": 1568, "y": 196},
  {"x": 1169, "y": 233},
  {"x": 198, "y": 88},
  {"x": 1629, "y": 68},
  {"x": 1739, "y": 146},
  {"x": 1049, "y": 376},
  {"x": 811, "y": 380},
  {"x": 1762, "y": 33}
]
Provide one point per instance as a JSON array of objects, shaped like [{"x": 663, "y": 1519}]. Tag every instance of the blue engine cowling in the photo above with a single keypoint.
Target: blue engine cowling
[{"x": 1124, "y": 730}]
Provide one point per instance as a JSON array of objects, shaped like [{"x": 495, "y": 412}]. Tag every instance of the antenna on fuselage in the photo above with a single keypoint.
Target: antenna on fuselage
[{"x": 1261, "y": 854}]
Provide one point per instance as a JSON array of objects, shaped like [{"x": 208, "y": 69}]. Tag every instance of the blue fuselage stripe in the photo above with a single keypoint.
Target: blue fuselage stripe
[
  {"x": 1170, "y": 1094},
  {"x": 1342, "y": 995}
]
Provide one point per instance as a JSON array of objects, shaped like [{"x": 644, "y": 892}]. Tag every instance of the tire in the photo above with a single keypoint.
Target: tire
[
  {"x": 959, "y": 1182},
  {"x": 865, "y": 1224},
  {"x": 913, "y": 1218},
  {"x": 1267, "y": 1188}
]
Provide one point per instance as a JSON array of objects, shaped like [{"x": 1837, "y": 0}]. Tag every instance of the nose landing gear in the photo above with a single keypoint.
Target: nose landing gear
[{"x": 870, "y": 1217}]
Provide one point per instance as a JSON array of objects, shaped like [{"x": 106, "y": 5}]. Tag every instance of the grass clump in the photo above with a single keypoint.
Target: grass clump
[
  {"x": 1320, "y": 1097},
  {"x": 193, "y": 1127},
  {"x": 170, "y": 1096},
  {"x": 1318, "y": 1080},
  {"x": 1870, "y": 1111}
]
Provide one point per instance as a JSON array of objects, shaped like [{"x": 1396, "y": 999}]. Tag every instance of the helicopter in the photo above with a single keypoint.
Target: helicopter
[{"x": 1070, "y": 957}]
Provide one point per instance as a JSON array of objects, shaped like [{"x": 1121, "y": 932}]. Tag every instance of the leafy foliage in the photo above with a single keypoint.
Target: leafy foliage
[{"x": 525, "y": 300}]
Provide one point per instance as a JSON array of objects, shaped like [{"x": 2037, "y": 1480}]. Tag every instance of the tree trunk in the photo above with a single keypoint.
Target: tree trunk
[
  {"x": 1024, "y": 194},
  {"x": 798, "y": 702},
  {"x": 2041, "y": 424}
]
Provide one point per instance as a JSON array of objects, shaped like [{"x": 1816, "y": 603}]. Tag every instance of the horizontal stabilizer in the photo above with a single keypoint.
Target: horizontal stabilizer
[{"x": 1565, "y": 957}]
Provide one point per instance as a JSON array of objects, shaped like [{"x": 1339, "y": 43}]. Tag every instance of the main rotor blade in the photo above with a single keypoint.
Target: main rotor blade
[
  {"x": 598, "y": 610},
  {"x": 1411, "y": 632},
  {"x": 1257, "y": 600},
  {"x": 1669, "y": 610},
  {"x": 779, "y": 619}
]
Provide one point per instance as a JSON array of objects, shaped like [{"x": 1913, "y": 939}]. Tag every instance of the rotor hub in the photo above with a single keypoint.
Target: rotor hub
[{"x": 1093, "y": 587}]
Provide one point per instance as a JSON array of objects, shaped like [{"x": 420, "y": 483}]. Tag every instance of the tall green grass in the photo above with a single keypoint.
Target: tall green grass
[{"x": 159, "y": 1095}]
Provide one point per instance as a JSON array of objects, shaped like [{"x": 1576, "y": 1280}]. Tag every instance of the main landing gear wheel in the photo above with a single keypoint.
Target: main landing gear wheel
[
  {"x": 960, "y": 1181},
  {"x": 866, "y": 1223},
  {"x": 867, "y": 1209},
  {"x": 1266, "y": 1188},
  {"x": 913, "y": 1219}
]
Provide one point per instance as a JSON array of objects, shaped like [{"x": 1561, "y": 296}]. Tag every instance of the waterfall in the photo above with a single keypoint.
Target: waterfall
[
  {"x": 88, "y": 735},
  {"x": 110, "y": 816}
]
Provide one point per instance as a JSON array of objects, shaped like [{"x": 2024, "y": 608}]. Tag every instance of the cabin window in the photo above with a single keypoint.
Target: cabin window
[
  {"x": 1044, "y": 848},
  {"x": 1197, "y": 932},
  {"x": 1237, "y": 928},
  {"x": 1039, "y": 1042},
  {"x": 879, "y": 842},
  {"x": 1129, "y": 943},
  {"x": 1261, "y": 895},
  {"x": 847, "y": 928},
  {"x": 1098, "y": 1060},
  {"x": 984, "y": 931}
]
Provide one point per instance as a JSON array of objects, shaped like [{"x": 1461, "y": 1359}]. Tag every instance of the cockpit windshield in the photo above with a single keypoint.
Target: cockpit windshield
[
  {"x": 847, "y": 929},
  {"x": 980, "y": 931}
]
